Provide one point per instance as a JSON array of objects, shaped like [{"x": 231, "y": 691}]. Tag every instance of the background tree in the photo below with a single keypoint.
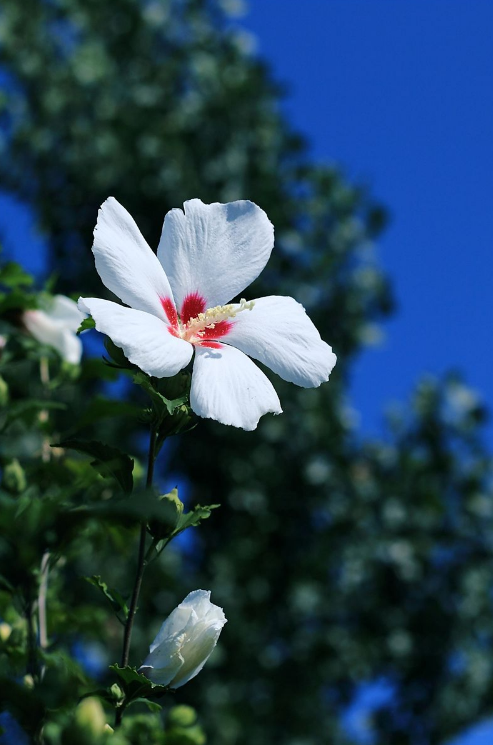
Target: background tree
[{"x": 338, "y": 561}]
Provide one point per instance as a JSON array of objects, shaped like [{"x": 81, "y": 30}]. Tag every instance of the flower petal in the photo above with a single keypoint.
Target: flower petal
[
  {"x": 229, "y": 387},
  {"x": 54, "y": 334},
  {"x": 126, "y": 263},
  {"x": 70, "y": 347},
  {"x": 144, "y": 338},
  {"x": 163, "y": 663},
  {"x": 65, "y": 311},
  {"x": 278, "y": 333},
  {"x": 215, "y": 250},
  {"x": 196, "y": 651}
]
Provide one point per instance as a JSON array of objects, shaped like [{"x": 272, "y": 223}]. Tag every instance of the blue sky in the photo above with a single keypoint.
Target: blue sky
[{"x": 399, "y": 93}]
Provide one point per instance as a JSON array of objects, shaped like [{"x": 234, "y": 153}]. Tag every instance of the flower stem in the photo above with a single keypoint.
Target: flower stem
[
  {"x": 142, "y": 561},
  {"x": 42, "y": 615},
  {"x": 32, "y": 658}
]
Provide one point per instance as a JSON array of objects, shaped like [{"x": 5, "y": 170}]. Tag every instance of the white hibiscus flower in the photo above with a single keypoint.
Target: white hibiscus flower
[
  {"x": 56, "y": 326},
  {"x": 179, "y": 302},
  {"x": 185, "y": 641}
]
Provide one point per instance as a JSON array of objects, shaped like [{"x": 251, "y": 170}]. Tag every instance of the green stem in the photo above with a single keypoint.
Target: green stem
[
  {"x": 141, "y": 565},
  {"x": 32, "y": 657}
]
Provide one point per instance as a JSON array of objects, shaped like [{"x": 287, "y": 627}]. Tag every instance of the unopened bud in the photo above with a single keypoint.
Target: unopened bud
[
  {"x": 116, "y": 692},
  {"x": 89, "y": 714},
  {"x": 181, "y": 716},
  {"x": 88, "y": 725}
]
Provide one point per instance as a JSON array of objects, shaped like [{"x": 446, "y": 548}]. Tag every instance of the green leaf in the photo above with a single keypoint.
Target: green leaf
[
  {"x": 136, "y": 685},
  {"x": 185, "y": 520},
  {"x": 139, "y": 507},
  {"x": 102, "y": 693},
  {"x": 151, "y": 705},
  {"x": 115, "y": 598},
  {"x": 13, "y": 275},
  {"x": 194, "y": 517},
  {"x": 25, "y": 410},
  {"x": 173, "y": 505},
  {"x": 117, "y": 356},
  {"x": 161, "y": 404},
  {"x": 109, "y": 461},
  {"x": 87, "y": 323},
  {"x": 104, "y": 408}
]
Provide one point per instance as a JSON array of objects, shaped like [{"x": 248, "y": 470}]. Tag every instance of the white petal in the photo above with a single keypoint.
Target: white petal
[
  {"x": 215, "y": 250},
  {"x": 126, "y": 263},
  {"x": 163, "y": 663},
  {"x": 199, "y": 600},
  {"x": 229, "y": 387},
  {"x": 144, "y": 338},
  {"x": 278, "y": 333},
  {"x": 70, "y": 347},
  {"x": 195, "y": 652},
  {"x": 174, "y": 624},
  {"x": 65, "y": 310},
  {"x": 54, "y": 334}
]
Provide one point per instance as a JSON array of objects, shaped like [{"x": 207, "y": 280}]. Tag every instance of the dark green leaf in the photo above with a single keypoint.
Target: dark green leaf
[
  {"x": 136, "y": 685},
  {"x": 117, "y": 356},
  {"x": 109, "y": 461},
  {"x": 161, "y": 404},
  {"x": 103, "y": 693},
  {"x": 151, "y": 705},
  {"x": 115, "y": 598},
  {"x": 103, "y": 408},
  {"x": 26, "y": 409},
  {"x": 139, "y": 507}
]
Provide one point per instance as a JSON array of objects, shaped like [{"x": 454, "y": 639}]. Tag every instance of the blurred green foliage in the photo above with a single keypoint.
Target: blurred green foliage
[{"x": 337, "y": 561}]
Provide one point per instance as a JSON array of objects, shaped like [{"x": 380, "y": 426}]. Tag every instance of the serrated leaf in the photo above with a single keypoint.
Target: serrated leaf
[
  {"x": 109, "y": 461},
  {"x": 87, "y": 323},
  {"x": 115, "y": 598},
  {"x": 136, "y": 685},
  {"x": 194, "y": 517}
]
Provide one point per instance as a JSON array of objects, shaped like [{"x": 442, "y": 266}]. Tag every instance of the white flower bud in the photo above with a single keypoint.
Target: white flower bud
[
  {"x": 185, "y": 641},
  {"x": 56, "y": 327}
]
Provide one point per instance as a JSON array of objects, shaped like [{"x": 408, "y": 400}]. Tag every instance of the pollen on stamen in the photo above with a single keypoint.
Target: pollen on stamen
[{"x": 215, "y": 321}]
